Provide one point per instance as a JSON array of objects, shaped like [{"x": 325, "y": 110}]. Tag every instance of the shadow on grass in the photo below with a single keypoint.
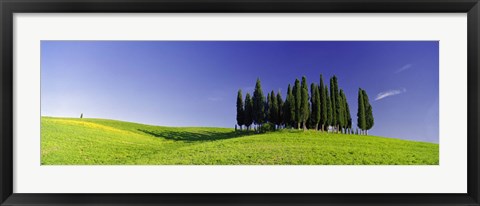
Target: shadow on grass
[{"x": 196, "y": 137}]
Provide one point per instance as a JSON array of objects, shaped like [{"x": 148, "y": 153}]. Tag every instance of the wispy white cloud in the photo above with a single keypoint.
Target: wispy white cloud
[
  {"x": 215, "y": 99},
  {"x": 389, "y": 93},
  {"x": 407, "y": 66}
]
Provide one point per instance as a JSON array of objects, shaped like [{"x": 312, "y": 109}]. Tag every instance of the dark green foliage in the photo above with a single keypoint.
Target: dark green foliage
[
  {"x": 341, "y": 110},
  {"x": 365, "y": 119},
  {"x": 323, "y": 104},
  {"x": 368, "y": 111},
  {"x": 289, "y": 108},
  {"x": 240, "y": 109},
  {"x": 258, "y": 104},
  {"x": 286, "y": 108},
  {"x": 361, "y": 118},
  {"x": 315, "y": 101},
  {"x": 273, "y": 109},
  {"x": 333, "y": 101},
  {"x": 311, "y": 116},
  {"x": 329, "y": 121},
  {"x": 248, "y": 118},
  {"x": 267, "y": 127},
  {"x": 297, "y": 94},
  {"x": 81, "y": 115},
  {"x": 280, "y": 120},
  {"x": 348, "y": 117},
  {"x": 336, "y": 103},
  {"x": 268, "y": 105},
  {"x": 301, "y": 109},
  {"x": 310, "y": 124},
  {"x": 347, "y": 124},
  {"x": 304, "y": 106}
]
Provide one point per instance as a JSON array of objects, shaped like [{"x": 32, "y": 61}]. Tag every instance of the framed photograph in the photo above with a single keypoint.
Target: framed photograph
[{"x": 239, "y": 102}]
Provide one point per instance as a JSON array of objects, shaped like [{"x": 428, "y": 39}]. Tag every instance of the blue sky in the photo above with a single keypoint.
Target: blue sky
[{"x": 195, "y": 83}]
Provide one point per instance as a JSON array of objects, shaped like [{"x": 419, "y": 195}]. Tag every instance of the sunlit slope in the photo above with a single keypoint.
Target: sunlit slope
[{"x": 69, "y": 141}]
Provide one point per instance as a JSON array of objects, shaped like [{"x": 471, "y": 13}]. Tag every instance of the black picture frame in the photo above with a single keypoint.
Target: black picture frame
[{"x": 9, "y": 7}]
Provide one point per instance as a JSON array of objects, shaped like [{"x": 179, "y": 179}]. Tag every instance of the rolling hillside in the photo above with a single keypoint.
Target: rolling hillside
[{"x": 73, "y": 141}]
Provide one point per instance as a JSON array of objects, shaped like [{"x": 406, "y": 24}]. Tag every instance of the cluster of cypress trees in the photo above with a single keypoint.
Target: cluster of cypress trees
[
  {"x": 364, "y": 115},
  {"x": 321, "y": 108}
]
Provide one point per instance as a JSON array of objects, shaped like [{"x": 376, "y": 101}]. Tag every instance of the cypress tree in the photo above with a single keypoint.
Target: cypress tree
[
  {"x": 369, "y": 118},
  {"x": 290, "y": 108},
  {"x": 329, "y": 121},
  {"x": 341, "y": 111},
  {"x": 337, "y": 106},
  {"x": 304, "y": 106},
  {"x": 258, "y": 104},
  {"x": 323, "y": 104},
  {"x": 333, "y": 102},
  {"x": 361, "y": 118},
  {"x": 297, "y": 94},
  {"x": 315, "y": 102},
  {"x": 273, "y": 108},
  {"x": 248, "y": 111},
  {"x": 268, "y": 105},
  {"x": 311, "y": 119},
  {"x": 286, "y": 108},
  {"x": 348, "y": 117},
  {"x": 368, "y": 112},
  {"x": 280, "y": 119},
  {"x": 240, "y": 109}
]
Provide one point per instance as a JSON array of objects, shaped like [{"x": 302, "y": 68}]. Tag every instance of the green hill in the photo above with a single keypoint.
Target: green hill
[{"x": 73, "y": 141}]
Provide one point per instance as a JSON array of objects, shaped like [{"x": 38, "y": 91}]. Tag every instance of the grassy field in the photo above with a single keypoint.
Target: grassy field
[{"x": 73, "y": 141}]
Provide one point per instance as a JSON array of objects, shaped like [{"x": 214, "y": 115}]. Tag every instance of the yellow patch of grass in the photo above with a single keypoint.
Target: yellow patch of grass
[{"x": 91, "y": 125}]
